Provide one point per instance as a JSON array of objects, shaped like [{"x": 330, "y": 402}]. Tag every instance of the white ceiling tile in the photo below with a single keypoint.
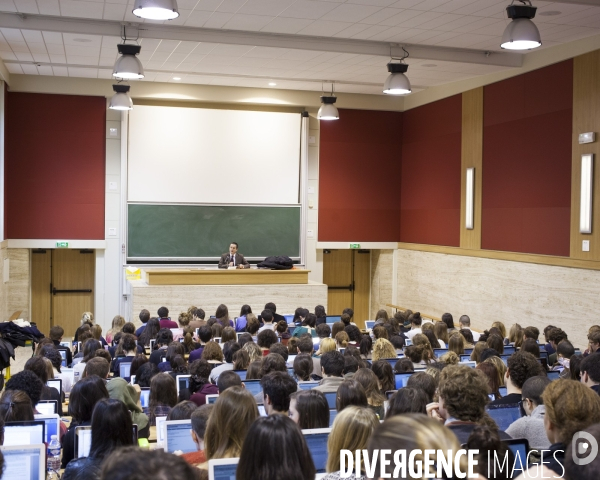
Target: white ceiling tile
[
  {"x": 323, "y": 28},
  {"x": 421, "y": 19},
  {"x": 14, "y": 68},
  {"x": 5, "y": 55},
  {"x": 217, "y": 20},
  {"x": 58, "y": 58},
  {"x": 32, "y": 36},
  {"x": 368, "y": 33},
  {"x": 19, "y": 47},
  {"x": 105, "y": 74},
  {"x": 352, "y": 30},
  {"x": 81, "y": 60},
  {"x": 177, "y": 57},
  {"x": 106, "y": 61},
  {"x": 375, "y": 3},
  {"x": 270, "y": 8},
  {"x": 453, "y": 5},
  {"x": 24, "y": 57},
  {"x": 80, "y": 39},
  {"x": 466, "y": 40},
  {"x": 186, "y": 47},
  {"x": 401, "y": 17},
  {"x": 27, "y": 6},
  {"x": 286, "y": 25},
  {"x": 381, "y": 15},
  {"x": 37, "y": 48},
  {"x": 74, "y": 8},
  {"x": 430, "y": 4},
  {"x": 231, "y": 50},
  {"x": 217, "y": 60},
  {"x": 12, "y": 34},
  {"x": 114, "y": 12},
  {"x": 405, "y": 3},
  {"x": 53, "y": 38},
  {"x": 495, "y": 28},
  {"x": 197, "y": 18},
  {"x": 61, "y": 71},
  {"x": 29, "y": 69},
  {"x": 308, "y": 9},
  {"x": 48, "y": 7},
  {"x": 82, "y": 51},
  {"x": 167, "y": 45},
  {"x": 8, "y": 6},
  {"x": 350, "y": 13},
  {"x": 45, "y": 70},
  {"x": 247, "y": 22},
  {"x": 55, "y": 49}
]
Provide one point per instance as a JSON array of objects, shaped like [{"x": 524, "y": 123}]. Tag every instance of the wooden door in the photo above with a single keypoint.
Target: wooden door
[
  {"x": 362, "y": 286},
  {"x": 41, "y": 286},
  {"x": 337, "y": 275},
  {"x": 72, "y": 287}
]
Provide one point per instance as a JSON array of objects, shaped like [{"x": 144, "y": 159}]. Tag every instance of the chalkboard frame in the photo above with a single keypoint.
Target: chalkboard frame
[{"x": 136, "y": 258}]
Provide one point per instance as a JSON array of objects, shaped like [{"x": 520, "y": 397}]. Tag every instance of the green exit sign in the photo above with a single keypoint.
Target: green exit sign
[
  {"x": 62, "y": 244},
  {"x": 355, "y": 245}
]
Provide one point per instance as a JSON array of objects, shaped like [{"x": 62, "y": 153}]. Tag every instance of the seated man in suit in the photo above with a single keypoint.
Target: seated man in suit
[{"x": 233, "y": 259}]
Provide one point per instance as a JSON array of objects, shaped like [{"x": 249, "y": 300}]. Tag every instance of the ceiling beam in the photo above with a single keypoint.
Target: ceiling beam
[{"x": 234, "y": 37}]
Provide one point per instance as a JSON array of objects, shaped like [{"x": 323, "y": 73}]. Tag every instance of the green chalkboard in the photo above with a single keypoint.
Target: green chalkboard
[{"x": 202, "y": 232}]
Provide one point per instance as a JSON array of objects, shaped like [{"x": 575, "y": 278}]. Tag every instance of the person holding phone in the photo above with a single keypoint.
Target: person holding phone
[{"x": 233, "y": 259}]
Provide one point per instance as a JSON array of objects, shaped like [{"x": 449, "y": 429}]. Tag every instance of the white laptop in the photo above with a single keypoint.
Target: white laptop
[
  {"x": 178, "y": 436},
  {"x": 222, "y": 468},
  {"x": 183, "y": 381},
  {"x": 55, "y": 383},
  {"x": 369, "y": 324},
  {"x": 316, "y": 440},
  {"x": 160, "y": 430},
  {"x": 24, "y": 462},
  {"x": 24, "y": 433},
  {"x": 52, "y": 425},
  {"x": 83, "y": 441}
]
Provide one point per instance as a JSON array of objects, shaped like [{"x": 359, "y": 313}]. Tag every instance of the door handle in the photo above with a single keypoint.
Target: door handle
[{"x": 55, "y": 291}]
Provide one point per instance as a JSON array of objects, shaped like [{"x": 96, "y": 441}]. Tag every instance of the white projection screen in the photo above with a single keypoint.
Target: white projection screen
[{"x": 213, "y": 156}]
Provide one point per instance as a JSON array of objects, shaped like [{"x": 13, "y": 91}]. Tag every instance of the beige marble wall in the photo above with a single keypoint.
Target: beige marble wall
[
  {"x": 178, "y": 298},
  {"x": 494, "y": 290},
  {"x": 382, "y": 266},
  {"x": 14, "y": 295}
]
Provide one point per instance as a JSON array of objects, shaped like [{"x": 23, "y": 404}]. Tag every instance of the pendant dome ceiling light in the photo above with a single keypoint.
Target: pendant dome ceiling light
[
  {"x": 121, "y": 100},
  {"x": 397, "y": 83},
  {"x": 521, "y": 33},
  {"x": 156, "y": 9},
  {"x": 128, "y": 66},
  {"x": 328, "y": 110}
]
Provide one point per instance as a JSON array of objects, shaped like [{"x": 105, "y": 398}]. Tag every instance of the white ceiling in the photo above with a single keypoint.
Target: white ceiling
[{"x": 441, "y": 25}]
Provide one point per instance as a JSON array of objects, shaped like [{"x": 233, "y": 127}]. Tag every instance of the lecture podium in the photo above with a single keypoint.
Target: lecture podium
[{"x": 208, "y": 287}]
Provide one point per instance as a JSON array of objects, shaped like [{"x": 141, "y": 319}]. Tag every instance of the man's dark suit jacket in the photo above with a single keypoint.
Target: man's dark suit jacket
[{"x": 239, "y": 260}]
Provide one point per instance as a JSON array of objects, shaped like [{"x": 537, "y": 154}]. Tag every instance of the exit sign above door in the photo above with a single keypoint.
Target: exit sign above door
[{"x": 62, "y": 244}]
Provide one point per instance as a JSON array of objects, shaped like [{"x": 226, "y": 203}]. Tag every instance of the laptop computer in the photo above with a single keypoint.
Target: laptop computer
[
  {"x": 331, "y": 399},
  {"x": 222, "y": 468},
  {"x": 83, "y": 441},
  {"x": 47, "y": 407},
  {"x": 145, "y": 397},
  {"x": 253, "y": 386},
  {"x": 554, "y": 375},
  {"x": 505, "y": 414},
  {"x": 520, "y": 448},
  {"x": 160, "y": 430},
  {"x": 24, "y": 462},
  {"x": 52, "y": 425},
  {"x": 183, "y": 382},
  {"x": 55, "y": 383},
  {"x": 125, "y": 370},
  {"x": 402, "y": 379},
  {"x": 25, "y": 433},
  {"x": 241, "y": 373},
  {"x": 210, "y": 399},
  {"x": 316, "y": 440},
  {"x": 331, "y": 319},
  {"x": 369, "y": 324},
  {"x": 178, "y": 437},
  {"x": 307, "y": 385},
  {"x": 332, "y": 414}
]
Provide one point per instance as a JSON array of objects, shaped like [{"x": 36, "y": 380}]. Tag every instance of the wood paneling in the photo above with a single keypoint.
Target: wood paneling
[
  {"x": 586, "y": 118},
  {"x": 244, "y": 276},
  {"x": 362, "y": 286},
  {"x": 72, "y": 270},
  {"x": 337, "y": 272},
  {"x": 471, "y": 156},
  {"x": 41, "y": 281}
]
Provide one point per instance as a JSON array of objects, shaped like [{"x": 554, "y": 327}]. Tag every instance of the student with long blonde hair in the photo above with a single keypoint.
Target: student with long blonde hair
[
  {"x": 327, "y": 345},
  {"x": 383, "y": 349}
]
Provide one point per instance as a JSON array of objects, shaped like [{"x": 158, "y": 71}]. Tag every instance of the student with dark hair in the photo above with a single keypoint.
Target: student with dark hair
[
  {"x": 489, "y": 445},
  {"x": 383, "y": 370},
  {"x": 299, "y": 316},
  {"x": 134, "y": 463},
  {"x": 267, "y": 318},
  {"x": 281, "y": 329},
  {"x": 350, "y": 366},
  {"x": 199, "y": 418},
  {"x": 112, "y": 429},
  {"x": 531, "y": 346},
  {"x": 305, "y": 345},
  {"x": 56, "y": 335},
  {"x": 404, "y": 365},
  {"x": 38, "y": 366},
  {"x": 84, "y": 396},
  {"x": 353, "y": 334},
  {"x": 200, "y": 386},
  {"x": 424, "y": 382},
  {"x": 15, "y": 406},
  {"x": 280, "y": 349},
  {"x": 590, "y": 371},
  {"x": 308, "y": 326},
  {"x": 321, "y": 315},
  {"x": 415, "y": 325},
  {"x": 273, "y": 362},
  {"x": 370, "y": 383},
  {"x": 265, "y": 339},
  {"x": 163, "y": 397},
  {"x": 165, "y": 321},
  {"x": 228, "y": 379},
  {"x": 309, "y": 409},
  {"x": 407, "y": 400},
  {"x": 163, "y": 340},
  {"x": 150, "y": 332},
  {"x": 564, "y": 351},
  {"x": 182, "y": 411},
  {"x": 144, "y": 317},
  {"x": 276, "y": 317},
  {"x": 145, "y": 373},
  {"x": 129, "y": 346},
  {"x": 89, "y": 351},
  {"x": 303, "y": 367},
  {"x": 28, "y": 382},
  {"x": 349, "y": 393},
  {"x": 287, "y": 456},
  {"x": 521, "y": 366},
  {"x": 277, "y": 388},
  {"x": 332, "y": 369},
  {"x": 323, "y": 330},
  {"x": 204, "y": 335}
]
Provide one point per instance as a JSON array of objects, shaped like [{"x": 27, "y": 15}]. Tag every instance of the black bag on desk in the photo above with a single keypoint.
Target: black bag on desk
[{"x": 280, "y": 262}]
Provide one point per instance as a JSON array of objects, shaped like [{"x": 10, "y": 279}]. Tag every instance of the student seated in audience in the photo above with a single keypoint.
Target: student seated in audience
[
  {"x": 84, "y": 396},
  {"x": 28, "y": 382},
  {"x": 227, "y": 380},
  {"x": 164, "y": 320},
  {"x": 150, "y": 332},
  {"x": 234, "y": 412},
  {"x": 456, "y": 343},
  {"x": 205, "y": 336},
  {"x": 287, "y": 457},
  {"x": 407, "y": 400},
  {"x": 213, "y": 353},
  {"x": 241, "y": 360},
  {"x": 56, "y": 335},
  {"x": 267, "y": 318},
  {"x": 163, "y": 397},
  {"x": 96, "y": 331},
  {"x": 321, "y": 315},
  {"x": 144, "y": 317},
  {"x": 405, "y": 365},
  {"x": 37, "y": 365},
  {"x": 134, "y": 463},
  {"x": 174, "y": 348},
  {"x": 354, "y": 335},
  {"x": 371, "y": 384},
  {"x": 492, "y": 376},
  {"x": 531, "y": 426},
  {"x": 385, "y": 375},
  {"x": 570, "y": 407},
  {"x": 129, "y": 347},
  {"x": 89, "y": 351},
  {"x": 163, "y": 340},
  {"x": 351, "y": 430},
  {"x": 281, "y": 329},
  {"x": 52, "y": 354},
  {"x": 564, "y": 351},
  {"x": 117, "y": 325},
  {"x": 327, "y": 345},
  {"x": 476, "y": 353},
  {"x": 303, "y": 367},
  {"x": 280, "y": 350},
  {"x": 341, "y": 340},
  {"x": 145, "y": 373},
  {"x": 119, "y": 389},
  {"x": 111, "y": 429},
  {"x": 555, "y": 336},
  {"x": 380, "y": 332},
  {"x": 440, "y": 329},
  {"x": 350, "y": 366},
  {"x": 299, "y": 316},
  {"x": 383, "y": 349},
  {"x": 308, "y": 326},
  {"x": 277, "y": 388},
  {"x": 414, "y": 432},
  {"x": 468, "y": 336},
  {"x": 254, "y": 351},
  {"x": 198, "y": 318},
  {"x": 265, "y": 339},
  {"x": 253, "y": 325},
  {"x": 254, "y": 371},
  {"x": 424, "y": 382},
  {"x": 273, "y": 362},
  {"x": 336, "y": 328},
  {"x": 200, "y": 385},
  {"x": 590, "y": 371},
  {"x": 306, "y": 345},
  {"x": 464, "y": 323},
  {"x": 463, "y": 395},
  {"x": 97, "y": 366},
  {"x": 489, "y": 447},
  {"x": 244, "y": 338},
  {"x": 449, "y": 358},
  {"x": 419, "y": 355},
  {"x": 496, "y": 342},
  {"x": 521, "y": 366},
  {"x": 309, "y": 409},
  {"x": 199, "y": 418},
  {"x": 593, "y": 340},
  {"x": 332, "y": 369},
  {"x": 350, "y": 392},
  {"x": 15, "y": 406}
]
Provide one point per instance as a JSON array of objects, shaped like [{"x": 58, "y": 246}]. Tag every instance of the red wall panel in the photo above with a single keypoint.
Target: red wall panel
[
  {"x": 359, "y": 177},
  {"x": 54, "y": 166},
  {"x": 527, "y": 162},
  {"x": 431, "y": 159}
]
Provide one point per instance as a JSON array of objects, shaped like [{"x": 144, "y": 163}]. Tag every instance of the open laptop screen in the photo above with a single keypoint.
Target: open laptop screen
[
  {"x": 24, "y": 462},
  {"x": 178, "y": 436},
  {"x": 222, "y": 468},
  {"x": 504, "y": 415},
  {"x": 316, "y": 440},
  {"x": 24, "y": 433},
  {"x": 52, "y": 425}
]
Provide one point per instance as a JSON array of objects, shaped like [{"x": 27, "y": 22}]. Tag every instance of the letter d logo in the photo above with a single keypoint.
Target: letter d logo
[{"x": 585, "y": 448}]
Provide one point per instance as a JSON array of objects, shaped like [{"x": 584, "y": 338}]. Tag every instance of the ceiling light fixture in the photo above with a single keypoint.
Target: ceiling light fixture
[
  {"x": 121, "y": 100},
  {"x": 521, "y": 33},
  {"x": 397, "y": 83},
  {"x": 328, "y": 110},
  {"x": 176, "y": 78},
  {"x": 272, "y": 84},
  {"x": 156, "y": 9},
  {"x": 128, "y": 66}
]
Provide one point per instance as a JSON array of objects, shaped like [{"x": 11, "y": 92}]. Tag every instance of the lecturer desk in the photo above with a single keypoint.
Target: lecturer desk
[{"x": 224, "y": 276}]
